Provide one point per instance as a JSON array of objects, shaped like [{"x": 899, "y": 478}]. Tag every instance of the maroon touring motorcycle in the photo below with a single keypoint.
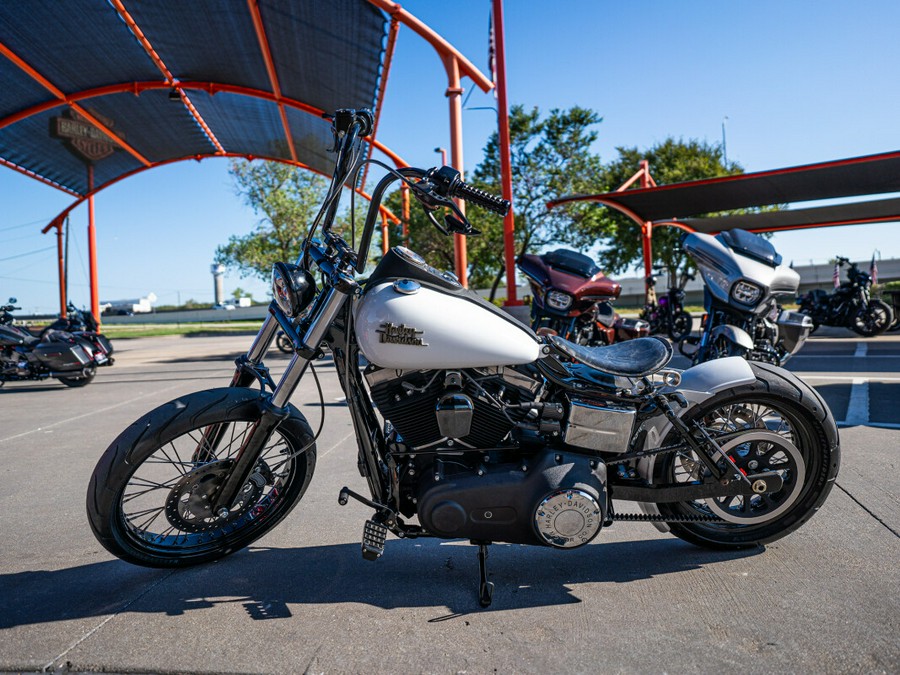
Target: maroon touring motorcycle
[{"x": 572, "y": 298}]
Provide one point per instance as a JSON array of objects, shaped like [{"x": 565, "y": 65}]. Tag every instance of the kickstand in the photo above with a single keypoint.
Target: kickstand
[{"x": 485, "y": 588}]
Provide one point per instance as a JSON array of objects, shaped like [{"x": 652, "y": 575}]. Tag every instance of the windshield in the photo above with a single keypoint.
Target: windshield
[
  {"x": 571, "y": 261},
  {"x": 750, "y": 245}
]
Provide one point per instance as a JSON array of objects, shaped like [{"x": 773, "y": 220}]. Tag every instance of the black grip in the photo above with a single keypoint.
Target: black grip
[{"x": 481, "y": 198}]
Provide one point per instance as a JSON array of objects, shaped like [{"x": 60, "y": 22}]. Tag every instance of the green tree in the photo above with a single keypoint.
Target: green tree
[
  {"x": 550, "y": 157},
  {"x": 671, "y": 161},
  {"x": 287, "y": 199}
]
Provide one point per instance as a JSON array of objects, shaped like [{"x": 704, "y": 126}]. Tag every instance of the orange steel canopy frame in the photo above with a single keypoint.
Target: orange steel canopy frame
[
  {"x": 124, "y": 87},
  {"x": 673, "y": 205}
]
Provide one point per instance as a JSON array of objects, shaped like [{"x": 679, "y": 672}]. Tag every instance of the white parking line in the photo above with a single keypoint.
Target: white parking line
[
  {"x": 858, "y": 408},
  {"x": 861, "y": 349}
]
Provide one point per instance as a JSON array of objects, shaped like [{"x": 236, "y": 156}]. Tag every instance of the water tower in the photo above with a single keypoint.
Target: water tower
[{"x": 218, "y": 272}]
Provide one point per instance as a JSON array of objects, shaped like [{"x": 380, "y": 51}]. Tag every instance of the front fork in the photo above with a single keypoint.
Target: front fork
[{"x": 274, "y": 408}]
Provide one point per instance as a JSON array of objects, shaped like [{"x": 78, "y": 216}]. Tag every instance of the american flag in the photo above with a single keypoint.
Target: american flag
[
  {"x": 492, "y": 52},
  {"x": 873, "y": 270},
  {"x": 836, "y": 277}
]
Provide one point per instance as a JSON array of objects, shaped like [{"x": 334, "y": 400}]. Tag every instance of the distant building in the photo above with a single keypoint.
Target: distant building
[{"x": 132, "y": 306}]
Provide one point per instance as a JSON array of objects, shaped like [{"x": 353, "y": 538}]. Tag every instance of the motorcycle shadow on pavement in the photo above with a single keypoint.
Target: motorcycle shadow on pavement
[{"x": 423, "y": 573}]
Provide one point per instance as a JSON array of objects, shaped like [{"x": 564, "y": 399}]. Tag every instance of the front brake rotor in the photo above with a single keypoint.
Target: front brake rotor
[{"x": 189, "y": 505}]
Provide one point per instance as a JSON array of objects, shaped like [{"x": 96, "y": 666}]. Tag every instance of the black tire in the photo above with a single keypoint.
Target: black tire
[
  {"x": 284, "y": 344},
  {"x": 874, "y": 320},
  {"x": 682, "y": 324},
  {"x": 808, "y": 426},
  {"x": 126, "y": 526},
  {"x": 81, "y": 380}
]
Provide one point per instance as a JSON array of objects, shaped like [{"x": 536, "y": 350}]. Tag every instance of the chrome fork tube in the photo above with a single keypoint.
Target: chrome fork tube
[
  {"x": 332, "y": 304},
  {"x": 263, "y": 340}
]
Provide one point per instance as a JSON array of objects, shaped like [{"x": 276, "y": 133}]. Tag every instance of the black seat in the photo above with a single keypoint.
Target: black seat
[{"x": 632, "y": 358}]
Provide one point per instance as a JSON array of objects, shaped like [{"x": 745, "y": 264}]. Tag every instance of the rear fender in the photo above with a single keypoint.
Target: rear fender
[{"x": 697, "y": 385}]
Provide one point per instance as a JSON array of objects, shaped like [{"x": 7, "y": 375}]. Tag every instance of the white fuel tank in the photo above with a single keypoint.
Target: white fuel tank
[{"x": 405, "y": 325}]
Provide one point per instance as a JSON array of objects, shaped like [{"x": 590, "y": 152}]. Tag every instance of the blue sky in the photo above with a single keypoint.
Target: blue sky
[{"x": 799, "y": 82}]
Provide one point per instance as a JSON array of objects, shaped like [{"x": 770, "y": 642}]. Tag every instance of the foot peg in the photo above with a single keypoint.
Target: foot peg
[{"x": 374, "y": 535}]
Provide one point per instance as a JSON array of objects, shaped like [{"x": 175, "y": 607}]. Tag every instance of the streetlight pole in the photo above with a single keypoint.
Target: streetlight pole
[
  {"x": 724, "y": 147},
  {"x": 443, "y": 155}
]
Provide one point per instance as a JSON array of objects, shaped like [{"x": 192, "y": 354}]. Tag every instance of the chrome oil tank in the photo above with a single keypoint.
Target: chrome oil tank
[{"x": 409, "y": 325}]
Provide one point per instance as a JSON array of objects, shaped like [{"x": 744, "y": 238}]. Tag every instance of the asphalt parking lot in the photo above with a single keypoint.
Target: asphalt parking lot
[{"x": 824, "y": 599}]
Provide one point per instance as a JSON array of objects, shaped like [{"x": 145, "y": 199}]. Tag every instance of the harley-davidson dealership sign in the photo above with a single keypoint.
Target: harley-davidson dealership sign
[{"x": 82, "y": 137}]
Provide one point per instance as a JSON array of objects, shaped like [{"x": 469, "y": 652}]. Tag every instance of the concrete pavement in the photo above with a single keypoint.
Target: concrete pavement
[{"x": 824, "y": 599}]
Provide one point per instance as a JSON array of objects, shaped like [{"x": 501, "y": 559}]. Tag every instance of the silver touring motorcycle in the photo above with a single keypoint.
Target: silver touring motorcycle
[{"x": 469, "y": 426}]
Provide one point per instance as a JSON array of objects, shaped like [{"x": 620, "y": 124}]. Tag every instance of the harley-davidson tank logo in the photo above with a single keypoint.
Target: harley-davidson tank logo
[{"x": 401, "y": 335}]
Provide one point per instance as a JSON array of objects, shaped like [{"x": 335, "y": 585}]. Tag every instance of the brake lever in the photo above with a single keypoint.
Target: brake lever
[{"x": 434, "y": 221}]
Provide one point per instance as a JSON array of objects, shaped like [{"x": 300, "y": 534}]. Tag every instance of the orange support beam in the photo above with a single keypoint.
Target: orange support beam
[
  {"x": 509, "y": 222},
  {"x": 454, "y": 96},
  {"x": 270, "y": 68}
]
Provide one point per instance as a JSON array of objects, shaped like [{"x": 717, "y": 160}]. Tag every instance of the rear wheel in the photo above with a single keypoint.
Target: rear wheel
[
  {"x": 149, "y": 497},
  {"x": 784, "y": 427},
  {"x": 84, "y": 378},
  {"x": 874, "y": 320}
]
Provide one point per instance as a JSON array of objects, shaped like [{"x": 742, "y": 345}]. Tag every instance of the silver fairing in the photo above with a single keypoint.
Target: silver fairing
[{"x": 722, "y": 267}]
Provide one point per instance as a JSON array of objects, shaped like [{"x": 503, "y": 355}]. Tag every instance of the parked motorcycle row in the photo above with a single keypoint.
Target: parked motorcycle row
[
  {"x": 69, "y": 350},
  {"x": 469, "y": 424}
]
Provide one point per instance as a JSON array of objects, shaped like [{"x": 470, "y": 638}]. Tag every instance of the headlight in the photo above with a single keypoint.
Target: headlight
[
  {"x": 746, "y": 293},
  {"x": 292, "y": 287},
  {"x": 559, "y": 300}
]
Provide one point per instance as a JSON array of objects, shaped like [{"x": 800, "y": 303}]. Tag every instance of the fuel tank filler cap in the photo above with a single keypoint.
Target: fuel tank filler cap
[{"x": 406, "y": 286}]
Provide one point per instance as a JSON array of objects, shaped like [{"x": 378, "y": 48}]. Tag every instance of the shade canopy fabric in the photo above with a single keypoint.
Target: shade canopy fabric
[
  {"x": 94, "y": 90},
  {"x": 869, "y": 175}
]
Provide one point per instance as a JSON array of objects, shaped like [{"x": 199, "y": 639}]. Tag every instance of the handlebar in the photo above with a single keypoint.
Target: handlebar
[{"x": 449, "y": 184}]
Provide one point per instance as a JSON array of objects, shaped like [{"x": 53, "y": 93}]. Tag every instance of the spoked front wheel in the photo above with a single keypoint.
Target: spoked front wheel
[
  {"x": 777, "y": 424},
  {"x": 682, "y": 323},
  {"x": 874, "y": 320},
  {"x": 149, "y": 499}
]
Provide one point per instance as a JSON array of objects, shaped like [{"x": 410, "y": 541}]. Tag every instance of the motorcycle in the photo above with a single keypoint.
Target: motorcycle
[
  {"x": 82, "y": 324},
  {"x": 743, "y": 277},
  {"x": 850, "y": 306},
  {"x": 572, "y": 298},
  {"x": 23, "y": 356},
  {"x": 468, "y": 424},
  {"x": 667, "y": 315}
]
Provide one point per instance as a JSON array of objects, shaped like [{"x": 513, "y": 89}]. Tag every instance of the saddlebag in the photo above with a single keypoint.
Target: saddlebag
[
  {"x": 793, "y": 328},
  {"x": 59, "y": 355}
]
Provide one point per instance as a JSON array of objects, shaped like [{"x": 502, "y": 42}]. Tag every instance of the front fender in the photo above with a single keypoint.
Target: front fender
[{"x": 733, "y": 334}]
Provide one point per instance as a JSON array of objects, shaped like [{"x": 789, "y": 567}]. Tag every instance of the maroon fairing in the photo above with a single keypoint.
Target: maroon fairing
[{"x": 586, "y": 291}]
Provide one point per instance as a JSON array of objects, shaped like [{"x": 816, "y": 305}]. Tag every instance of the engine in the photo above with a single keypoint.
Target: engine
[{"x": 478, "y": 455}]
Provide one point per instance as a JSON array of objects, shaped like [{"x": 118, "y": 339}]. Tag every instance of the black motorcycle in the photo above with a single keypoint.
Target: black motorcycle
[
  {"x": 667, "y": 314},
  {"x": 68, "y": 358},
  {"x": 81, "y": 323},
  {"x": 850, "y": 306}
]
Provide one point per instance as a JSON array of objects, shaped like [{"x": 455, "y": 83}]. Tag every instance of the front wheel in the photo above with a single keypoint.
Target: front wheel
[
  {"x": 874, "y": 320},
  {"x": 283, "y": 342},
  {"x": 682, "y": 323},
  {"x": 148, "y": 501},
  {"x": 784, "y": 427}
]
